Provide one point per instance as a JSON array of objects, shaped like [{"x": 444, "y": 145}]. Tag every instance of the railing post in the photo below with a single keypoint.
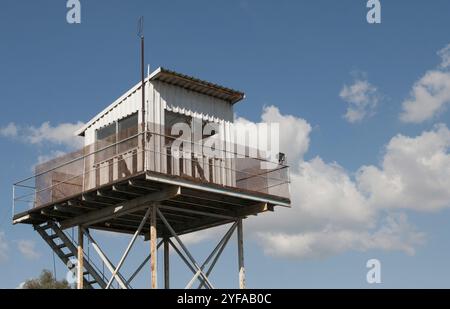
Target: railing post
[
  {"x": 153, "y": 248},
  {"x": 240, "y": 236},
  {"x": 80, "y": 268}
]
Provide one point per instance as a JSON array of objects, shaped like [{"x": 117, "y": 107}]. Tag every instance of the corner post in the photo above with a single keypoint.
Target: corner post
[
  {"x": 80, "y": 257},
  {"x": 240, "y": 236},
  {"x": 166, "y": 264},
  {"x": 153, "y": 248}
]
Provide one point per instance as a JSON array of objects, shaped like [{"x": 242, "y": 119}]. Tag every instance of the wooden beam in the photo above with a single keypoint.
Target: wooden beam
[
  {"x": 153, "y": 249},
  {"x": 80, "y": 269},
  {"x": 68, "y": 209},
  {"x": 197, "y": 212},
  {"x": 240, "y": 236},
  {"x": 125, "y": 191},
  {"x": 96, "y": 200},
  {"x": 110, "y": 196},
  {"x": 253, "y": 210},
  {"x": 115, "y": 211}
]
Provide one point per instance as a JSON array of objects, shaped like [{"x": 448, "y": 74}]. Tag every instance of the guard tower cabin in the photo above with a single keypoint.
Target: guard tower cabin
[{"x": 159, "y": 165}]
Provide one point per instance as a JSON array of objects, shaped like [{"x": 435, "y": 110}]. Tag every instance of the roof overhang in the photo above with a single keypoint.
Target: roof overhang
[
  {"x": 180, "y": 80},
  {"x": 191, "y": 83}
]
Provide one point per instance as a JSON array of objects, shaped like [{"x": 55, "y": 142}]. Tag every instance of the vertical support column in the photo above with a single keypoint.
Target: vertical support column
[
  {"x": 80, "y": 257},
  {"x": 240, "y": 236},
  {"x": 153, "y": 248},
  {"x": 166, "y": 264}
]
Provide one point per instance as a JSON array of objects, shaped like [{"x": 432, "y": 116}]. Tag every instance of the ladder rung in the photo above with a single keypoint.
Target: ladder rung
[
  {"x": 61, "y": 246},
  {"x": 69, "y": 255},
  {"x": 43, "y": 228},
  {"x": 53, "y": 236}
]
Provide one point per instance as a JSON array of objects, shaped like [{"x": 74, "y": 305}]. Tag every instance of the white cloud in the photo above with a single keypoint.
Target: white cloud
[
  {"x": 445, "y": 55},
  {"x": 294, "y": 132},
  {"x": 414, "y": 173},
  {"x": 362, "y": 98},
  {"x": 430, "y": 95},
  {"x": 394, "y": 235},
  {"x": 9, "y": 131},
  {"x": 204, "y": 235},
  {"x": 27, "y": 248},
  {"x": 329, "y": 214},
  {"x": 53, "y": 154},
  {"x": 62, "y": 134},
  {"x": 3, "y": 247}
]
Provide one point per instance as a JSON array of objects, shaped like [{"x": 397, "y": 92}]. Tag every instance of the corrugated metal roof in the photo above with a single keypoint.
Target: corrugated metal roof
[
  {"x": 177, "y": 79},
  {"x": 197, "y": 85}
]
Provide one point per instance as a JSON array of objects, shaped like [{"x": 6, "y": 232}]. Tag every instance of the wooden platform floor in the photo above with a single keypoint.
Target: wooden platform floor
[{"x": 119, "y": 207}]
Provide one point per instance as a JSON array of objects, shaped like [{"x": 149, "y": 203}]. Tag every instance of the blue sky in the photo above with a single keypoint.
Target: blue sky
[{"x": 310, "y": 61}]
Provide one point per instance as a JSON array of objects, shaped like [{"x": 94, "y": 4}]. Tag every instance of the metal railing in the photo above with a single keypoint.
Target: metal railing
[{"x": 149, "y": 151}]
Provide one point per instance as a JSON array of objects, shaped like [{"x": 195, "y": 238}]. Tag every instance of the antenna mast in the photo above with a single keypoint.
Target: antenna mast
[{"x": 141, "y": 35}]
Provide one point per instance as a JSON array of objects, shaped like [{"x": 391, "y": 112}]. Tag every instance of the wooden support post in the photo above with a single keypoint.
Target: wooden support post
[
  {"x": 80, "y": 257},
  {"x": 166, "y": 264},
  {"x": 240, "y": 236},
  {"x": 153, "y": 248}
]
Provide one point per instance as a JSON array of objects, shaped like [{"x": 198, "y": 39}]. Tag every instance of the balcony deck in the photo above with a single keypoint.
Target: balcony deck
[{"x": 82, "y": 191}]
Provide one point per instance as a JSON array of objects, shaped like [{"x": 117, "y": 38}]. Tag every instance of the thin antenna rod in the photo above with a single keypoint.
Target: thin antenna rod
[{"x": 141, "y": 35}]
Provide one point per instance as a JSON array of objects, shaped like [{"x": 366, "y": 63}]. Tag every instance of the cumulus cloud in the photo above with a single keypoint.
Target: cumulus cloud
[
  {"x": 28, "y": 249},
  {"x": 62, "y": 134},
  {"x": 362, "y": 99},
  {"x": 9, "y": 131},
  {"x": 201, "y": 236},
  {"x": 414, "y": 173},
  {"x": 330, "y": 214},
  {"x": 396, "y": 234},
  {"x": 3, "y": 247},
  {"x": 335, "y": 210},
  {"x": 430, "y": 95},
  {"x": 445, "y": 56},
  {"x": 47, "y": 157},
  {"x": 294, "y": 132}
]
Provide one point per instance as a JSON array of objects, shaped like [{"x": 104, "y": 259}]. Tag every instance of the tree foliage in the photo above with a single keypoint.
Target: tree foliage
[{"x": 46, "y": 281}]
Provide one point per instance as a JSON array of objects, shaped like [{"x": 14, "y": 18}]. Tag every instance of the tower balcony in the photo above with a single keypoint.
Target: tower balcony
[{"x": 197, "y": 186}]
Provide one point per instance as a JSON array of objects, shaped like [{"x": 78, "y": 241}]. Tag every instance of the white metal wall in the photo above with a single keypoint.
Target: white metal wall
[
  {"x": 161, "y": 96},
  {"x": 127, "y": 106},
  {"x": 179, "y": 100}
]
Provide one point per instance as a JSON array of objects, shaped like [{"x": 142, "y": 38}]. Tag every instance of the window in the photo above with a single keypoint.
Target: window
[
  {"x": 105, "y": 139},
  {"x": 116, "y": 138},
  {"x": 127, "y": 128}
]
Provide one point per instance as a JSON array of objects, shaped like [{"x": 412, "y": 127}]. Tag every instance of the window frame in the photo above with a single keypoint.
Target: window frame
[{"x": 116, "y": 148}]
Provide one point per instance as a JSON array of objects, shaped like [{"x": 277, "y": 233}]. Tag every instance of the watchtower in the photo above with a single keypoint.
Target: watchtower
[{"x": 158, "y": 164}]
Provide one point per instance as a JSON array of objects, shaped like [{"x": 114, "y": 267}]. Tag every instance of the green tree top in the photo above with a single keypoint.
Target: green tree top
[{"x": 46, "y": 281}]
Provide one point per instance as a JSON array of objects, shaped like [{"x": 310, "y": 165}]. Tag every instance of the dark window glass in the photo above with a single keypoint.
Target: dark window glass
[
  {"x": 127, "y": 128},
  {"x": 105, "y": 143}
]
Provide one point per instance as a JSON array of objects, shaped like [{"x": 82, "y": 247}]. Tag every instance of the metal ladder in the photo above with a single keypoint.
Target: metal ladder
[{"x": 66, "y": 249}]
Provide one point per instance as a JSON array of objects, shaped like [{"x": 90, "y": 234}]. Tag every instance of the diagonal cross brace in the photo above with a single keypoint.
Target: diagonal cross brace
[
  {"x": 183, "y": 247},
  {"x": 215, "y": 253},
  {"x": 130, "y": 245},
  {"x": 120, "y": 279},
  {"x": 142, "y": 264}
]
